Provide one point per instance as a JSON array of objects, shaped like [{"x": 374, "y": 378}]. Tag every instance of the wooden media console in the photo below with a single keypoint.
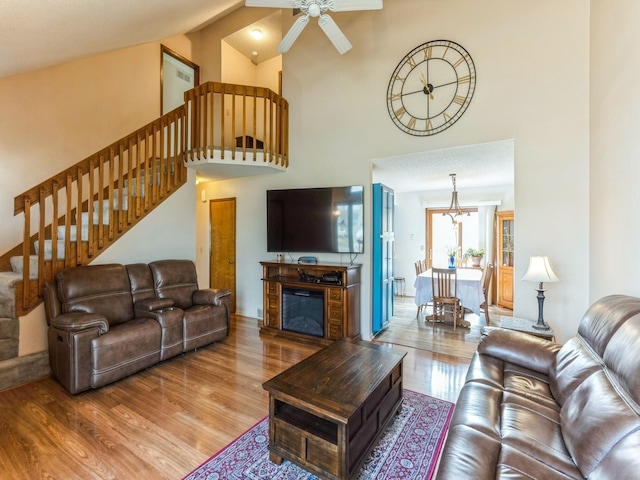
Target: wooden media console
[{"x": 333, "y": 287}]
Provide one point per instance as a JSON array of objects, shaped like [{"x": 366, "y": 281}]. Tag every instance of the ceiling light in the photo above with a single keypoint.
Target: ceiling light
[
  {"x": 256, "y": 33},
  {"x": 454, "y": 211}
]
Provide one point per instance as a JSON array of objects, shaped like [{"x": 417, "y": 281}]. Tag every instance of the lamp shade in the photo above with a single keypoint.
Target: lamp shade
[{"x": 539, "y": 271}]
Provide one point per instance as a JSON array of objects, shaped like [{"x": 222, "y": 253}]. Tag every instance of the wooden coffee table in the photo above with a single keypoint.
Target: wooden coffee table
[{"x": 326, "y": 412}]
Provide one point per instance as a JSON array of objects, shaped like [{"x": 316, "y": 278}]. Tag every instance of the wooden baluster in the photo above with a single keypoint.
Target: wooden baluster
[
  {"x": 222, "y": 124},
  {"x": 139, "y": 177},
  {"x": 121, "y": 210},
  {"x": 147, "y": 171},
  {"x": 90, "y": 195},
  {"x": 67, "y": 224},
  {"x": 101, "y": 187},
  {"x": 80, "y": 176},
  {"x": 212, "y": 96},
  {"x": 233, "y": 125},
  {"x": 254, "y": 120},
  {"x": 112, "y": 179},
  {"x": 26, "y": 247},
  {"x": 41, "y": 235},
  {"x": 264, "y": 129},
  {"x": 55, "y": 187},
  {"x": 130, "y": 200},
  {"x": 154, "y": 166}
]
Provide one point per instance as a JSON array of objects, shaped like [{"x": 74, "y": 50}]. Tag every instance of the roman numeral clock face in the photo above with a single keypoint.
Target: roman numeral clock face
[{"x": 431, "y": 88}]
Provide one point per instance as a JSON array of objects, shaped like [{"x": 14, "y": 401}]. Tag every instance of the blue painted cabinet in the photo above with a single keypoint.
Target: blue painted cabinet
[{"x": 382, "y": 264}]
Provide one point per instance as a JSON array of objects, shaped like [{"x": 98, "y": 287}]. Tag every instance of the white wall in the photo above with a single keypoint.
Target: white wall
[
  {"x": 532, "y": 64},
  {"x": 615, "y": 148}
]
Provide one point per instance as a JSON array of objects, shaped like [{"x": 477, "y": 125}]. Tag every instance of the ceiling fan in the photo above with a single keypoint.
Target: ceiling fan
[{"x": 317, "y": 8}]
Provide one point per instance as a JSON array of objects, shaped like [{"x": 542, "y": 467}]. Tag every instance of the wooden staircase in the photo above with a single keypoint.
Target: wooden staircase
[{"x": 72, "y": 217}]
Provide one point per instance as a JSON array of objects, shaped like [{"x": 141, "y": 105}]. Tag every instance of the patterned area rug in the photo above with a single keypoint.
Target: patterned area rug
[{"x": 409, "y": 449}]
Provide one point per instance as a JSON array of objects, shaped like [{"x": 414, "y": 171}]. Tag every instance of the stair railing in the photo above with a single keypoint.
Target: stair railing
[
  {"x": 73, "y": 216},
  {"x": 80, "y": 211}
]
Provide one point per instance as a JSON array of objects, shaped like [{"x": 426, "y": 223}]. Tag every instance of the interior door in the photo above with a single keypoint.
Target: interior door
[
  {"x": 382, "y": 265},
  {"x": 223, "y": 246}
]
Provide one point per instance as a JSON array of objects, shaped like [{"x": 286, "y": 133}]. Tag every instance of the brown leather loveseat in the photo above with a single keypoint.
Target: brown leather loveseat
[
  {"x": 533, "y": 409},
  {"x": 109, "y": 321}
]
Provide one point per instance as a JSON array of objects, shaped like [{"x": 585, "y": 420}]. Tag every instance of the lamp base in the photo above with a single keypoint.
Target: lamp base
[{"x": 541, "y": 326}]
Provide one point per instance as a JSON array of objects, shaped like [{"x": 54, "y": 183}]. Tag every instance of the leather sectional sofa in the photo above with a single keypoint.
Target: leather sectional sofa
[
  {"x": 535, "y": 409},
  {"x": 109, "y": 321}
]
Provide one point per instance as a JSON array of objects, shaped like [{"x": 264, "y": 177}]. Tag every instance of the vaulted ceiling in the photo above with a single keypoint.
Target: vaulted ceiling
[{"x": 36, "y": 34}]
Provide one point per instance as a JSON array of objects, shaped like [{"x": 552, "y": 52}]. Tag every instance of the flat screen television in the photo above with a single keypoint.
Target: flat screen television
[{"x": 322, "y": 220}]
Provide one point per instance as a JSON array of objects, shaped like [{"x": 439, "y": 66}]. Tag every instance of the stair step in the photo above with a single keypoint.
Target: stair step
[
  {"x": 73, "y": 230},
  {"x": 48, "y": 249},
  {"x": 17, "y": 265},
  {"x": 105, "y": 204}
]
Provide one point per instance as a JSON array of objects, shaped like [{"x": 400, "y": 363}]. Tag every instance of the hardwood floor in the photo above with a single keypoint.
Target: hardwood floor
[{"x": 165, "y": 421}]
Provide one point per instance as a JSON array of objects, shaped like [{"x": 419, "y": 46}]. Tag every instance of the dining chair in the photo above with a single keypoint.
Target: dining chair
[
  {"x": 444, "y": 285},
  {"x": 485, "y": 281},
  {"x": 420, "y": 267}
]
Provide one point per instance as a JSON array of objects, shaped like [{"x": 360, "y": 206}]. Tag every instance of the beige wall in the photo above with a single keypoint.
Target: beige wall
[
  {"x": 532, "y": 65},
  {"x": 57, "y": 116},
  {"x": 615, "y": 148}
]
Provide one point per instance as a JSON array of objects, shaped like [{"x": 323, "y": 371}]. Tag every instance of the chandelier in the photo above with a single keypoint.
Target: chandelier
[{"x": 454, "y": 211}]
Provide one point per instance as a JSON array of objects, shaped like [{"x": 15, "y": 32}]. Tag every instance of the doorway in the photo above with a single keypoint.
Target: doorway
[
  {"x": 222, "y": 218},
  {"x": 177, "y": 75},
  {"x": 422, "y": 181}
]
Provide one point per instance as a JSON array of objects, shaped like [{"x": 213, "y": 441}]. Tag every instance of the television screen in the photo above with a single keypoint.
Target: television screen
[{"x": 323, "y": 220}]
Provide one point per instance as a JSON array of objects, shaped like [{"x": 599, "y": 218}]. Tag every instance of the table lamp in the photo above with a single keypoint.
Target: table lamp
[{"x": 540, "y": 271}]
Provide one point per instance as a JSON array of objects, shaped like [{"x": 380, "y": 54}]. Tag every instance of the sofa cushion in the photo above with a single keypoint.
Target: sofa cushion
[
  {"x": 583, "y": 355},
  {"x": 604, "y": 317},
  {"x": 101, "y": 289},
  {"x": 595, "y": 418},
  {"x": 126, "y": 349},
  {"x": 204, "y": 324},
  {"x": 618, "y": 359},
  {"x": 141, "y": 281},
  {"x": 175, "y": 279}
]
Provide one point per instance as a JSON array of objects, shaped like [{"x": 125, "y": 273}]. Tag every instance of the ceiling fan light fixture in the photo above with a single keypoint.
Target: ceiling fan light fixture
[
  {"x": 314, "y": 10},
  {"x": 317, "y": 8}
]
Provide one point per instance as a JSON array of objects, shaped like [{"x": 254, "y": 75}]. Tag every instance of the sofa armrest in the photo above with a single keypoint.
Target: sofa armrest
[
  {"x": 74, "y": 322},
  {"x": 150, "y": 304},
  {"x": 210, "y": 296},
  {"x": 519, "y": 348}
]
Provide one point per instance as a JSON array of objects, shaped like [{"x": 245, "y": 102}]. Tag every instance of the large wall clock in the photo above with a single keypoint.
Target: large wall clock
[{"x": 431, "y": 88}]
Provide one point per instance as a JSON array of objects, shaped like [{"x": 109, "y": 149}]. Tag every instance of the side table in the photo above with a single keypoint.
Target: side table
[{"x": 526, "y": 326}]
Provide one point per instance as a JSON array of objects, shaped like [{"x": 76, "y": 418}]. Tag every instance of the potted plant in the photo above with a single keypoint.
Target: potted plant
[{"x": 475, "y": 255}]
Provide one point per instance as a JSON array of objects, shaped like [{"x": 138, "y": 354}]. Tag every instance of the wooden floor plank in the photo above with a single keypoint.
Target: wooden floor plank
[{"x": 168, "y": 419}]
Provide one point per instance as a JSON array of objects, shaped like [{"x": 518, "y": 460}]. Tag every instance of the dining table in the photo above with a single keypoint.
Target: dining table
[{"x": 469, "y": 288}]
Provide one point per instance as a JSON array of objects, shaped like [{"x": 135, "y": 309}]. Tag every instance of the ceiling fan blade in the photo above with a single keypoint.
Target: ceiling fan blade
[
  {"x": 293, "y": 33},
  {"x": 352, "y": 5},
  {"x": 334, "y": 33},
  {"x": 269, "y": 3}
]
